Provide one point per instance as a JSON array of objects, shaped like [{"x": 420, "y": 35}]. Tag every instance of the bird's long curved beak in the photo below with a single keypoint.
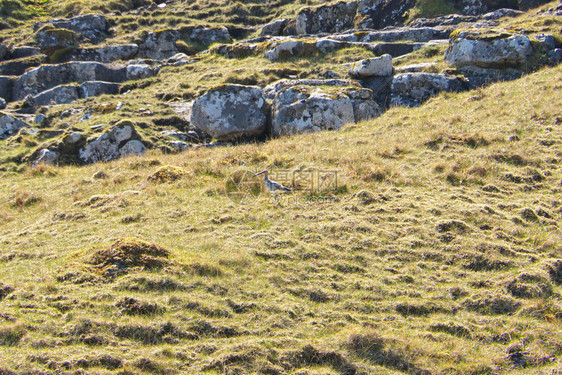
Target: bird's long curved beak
[{"x": 257, "y": 174}]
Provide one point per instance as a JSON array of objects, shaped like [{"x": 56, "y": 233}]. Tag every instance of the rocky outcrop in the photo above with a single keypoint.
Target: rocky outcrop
[
  {"x": 231, "y": 112},
  {"x": 50, "y": 39},
  {"x": 471, "y": 49},
  {"x": 56, "y": 95},
  {"x": 46, "y": 156},
  {"x": 412, "y": 89},
  {"x": 90, "y": 28},
  {"x": 141, "y": 71},
  {"x": 6, "y": 85},
  {"x": 328, "y": 18},
  {"x": 394, "y": 34},
  {"x": 102, "y": 54},
  {"x": 121, "y": 140},
  {"x": 46, "y": 77},
  {"x": 274, "y": 28},
  {"x": 273, "y": 89},
  {"x": 161, "y": 44},
  {"x": 10, "y": 125},
  {"x": 375, "y": 67},
  {"x": 97, "y": 88},
  {"x": 302, "y": 109}
]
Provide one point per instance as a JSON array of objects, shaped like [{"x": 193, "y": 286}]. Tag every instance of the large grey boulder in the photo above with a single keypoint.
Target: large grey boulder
[
  {"x": 467, "y": 49},
  {"x": 375, "y": 67},
  {"x": 102, "y": 54},
  {"x": 327, "y": 18},
  {"x": 10, "y": 125},
  {"x": 90, "y": 27},
  {"x": 46, "y": 77},
  {"x": 303, "y": 109},
  {"x": 121, "y": 140},
  {"x": 230, "y": 112},
  {"x": 412, "y": 89}
]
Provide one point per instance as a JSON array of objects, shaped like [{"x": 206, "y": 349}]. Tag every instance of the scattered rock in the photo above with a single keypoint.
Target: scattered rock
[
  {"x": 554, "y": 56},
  {"x": 501, "y": 51},
  {"x": 208, "y": 35},
  {"x": 375, "y": 67},
  {"x": 102, "y": 54},
  {"x": 56, "y": 95},
  {"x": 300, "y": 109},
  {"x": 159, "y": 45},
  {"x": 96, "y": 88},
  {"x": 4, "y": 51},
  {"x": 327, "y": 18},
  {"x": 412, "y": 89},
  {"x": 50, "y": 39},
  {"x": 46, "y": 77},
  {"x": 24, "y": 51},
  {"x": 2, "y": 103},
  {"x": 90, "y": 27},
  {"x": 231, "y": 112},
  {"x": 46, "y": 156},
  {"x": 274, "y": 28},
  {"x": 10, "y": 125},
  {"x": 141, "y": 71},
  {"x": 120, "y": 140}
]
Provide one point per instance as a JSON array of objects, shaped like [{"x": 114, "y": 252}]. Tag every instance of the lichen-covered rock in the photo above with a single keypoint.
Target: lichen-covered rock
[
  {"x": 467, "y": 48},
  {"x": 24, "y": 51},
  {"x": 395, "y": 34},
  {"x": 141, "y": 71},
  {"x": 274, "y": 28},
  {"x": 46, "y": 77},
  {"x": 4, "y": 51},
  {"x": 159, "y": 45},
  {"x": 271, "y": 90},
  {"x": 231, "y": 112},
  {"x": 285, "y": 49},
  {"x": 412, "y": 89},
  {"x": 56, "y": 95},
  {"x": 50, "y": 40},
  {"x": 90, "y": 27},
  {"x": 10, "y": 125},
  {"x": 302, "y": 109},
  {"x": 121, "y": 140},
  {"x": 97, "y": 88},
  {"x": 46, "y": 156},
  {"x": 375, "y": 67},
  {"x": 102, "y": 54},
  {"x": 208, "y": 35},
  {"x": 327, "y": 18}
]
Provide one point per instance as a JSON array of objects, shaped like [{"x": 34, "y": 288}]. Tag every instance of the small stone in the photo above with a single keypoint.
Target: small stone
[{"x": 46, "y": 156}]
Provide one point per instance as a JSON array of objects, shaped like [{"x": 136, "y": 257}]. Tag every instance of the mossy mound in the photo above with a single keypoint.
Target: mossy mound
[
  {"x": 129, "y": 252},
  {"x": 167, "y": 173}
]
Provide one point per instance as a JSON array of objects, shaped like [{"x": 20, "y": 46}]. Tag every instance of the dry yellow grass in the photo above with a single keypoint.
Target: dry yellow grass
[{"x": 438, "y": 251}]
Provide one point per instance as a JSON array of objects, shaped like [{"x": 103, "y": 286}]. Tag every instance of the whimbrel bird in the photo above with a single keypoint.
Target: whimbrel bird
[{"x": 272, "y": 185}]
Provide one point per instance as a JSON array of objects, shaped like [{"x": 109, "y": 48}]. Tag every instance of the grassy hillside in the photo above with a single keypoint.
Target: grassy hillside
[{"x": 437, "y": 250}]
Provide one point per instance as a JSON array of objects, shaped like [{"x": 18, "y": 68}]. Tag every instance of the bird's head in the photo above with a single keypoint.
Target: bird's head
[{"x": 262, "y": 172}]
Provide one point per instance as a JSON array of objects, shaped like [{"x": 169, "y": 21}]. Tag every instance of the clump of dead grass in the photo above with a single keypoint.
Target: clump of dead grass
[
  {"x": 167, "y": 173},
  {"x": 129, "y": 252}
]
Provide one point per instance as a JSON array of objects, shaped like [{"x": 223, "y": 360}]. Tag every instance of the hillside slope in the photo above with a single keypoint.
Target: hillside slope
[{"x": 436, "y": 250}]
